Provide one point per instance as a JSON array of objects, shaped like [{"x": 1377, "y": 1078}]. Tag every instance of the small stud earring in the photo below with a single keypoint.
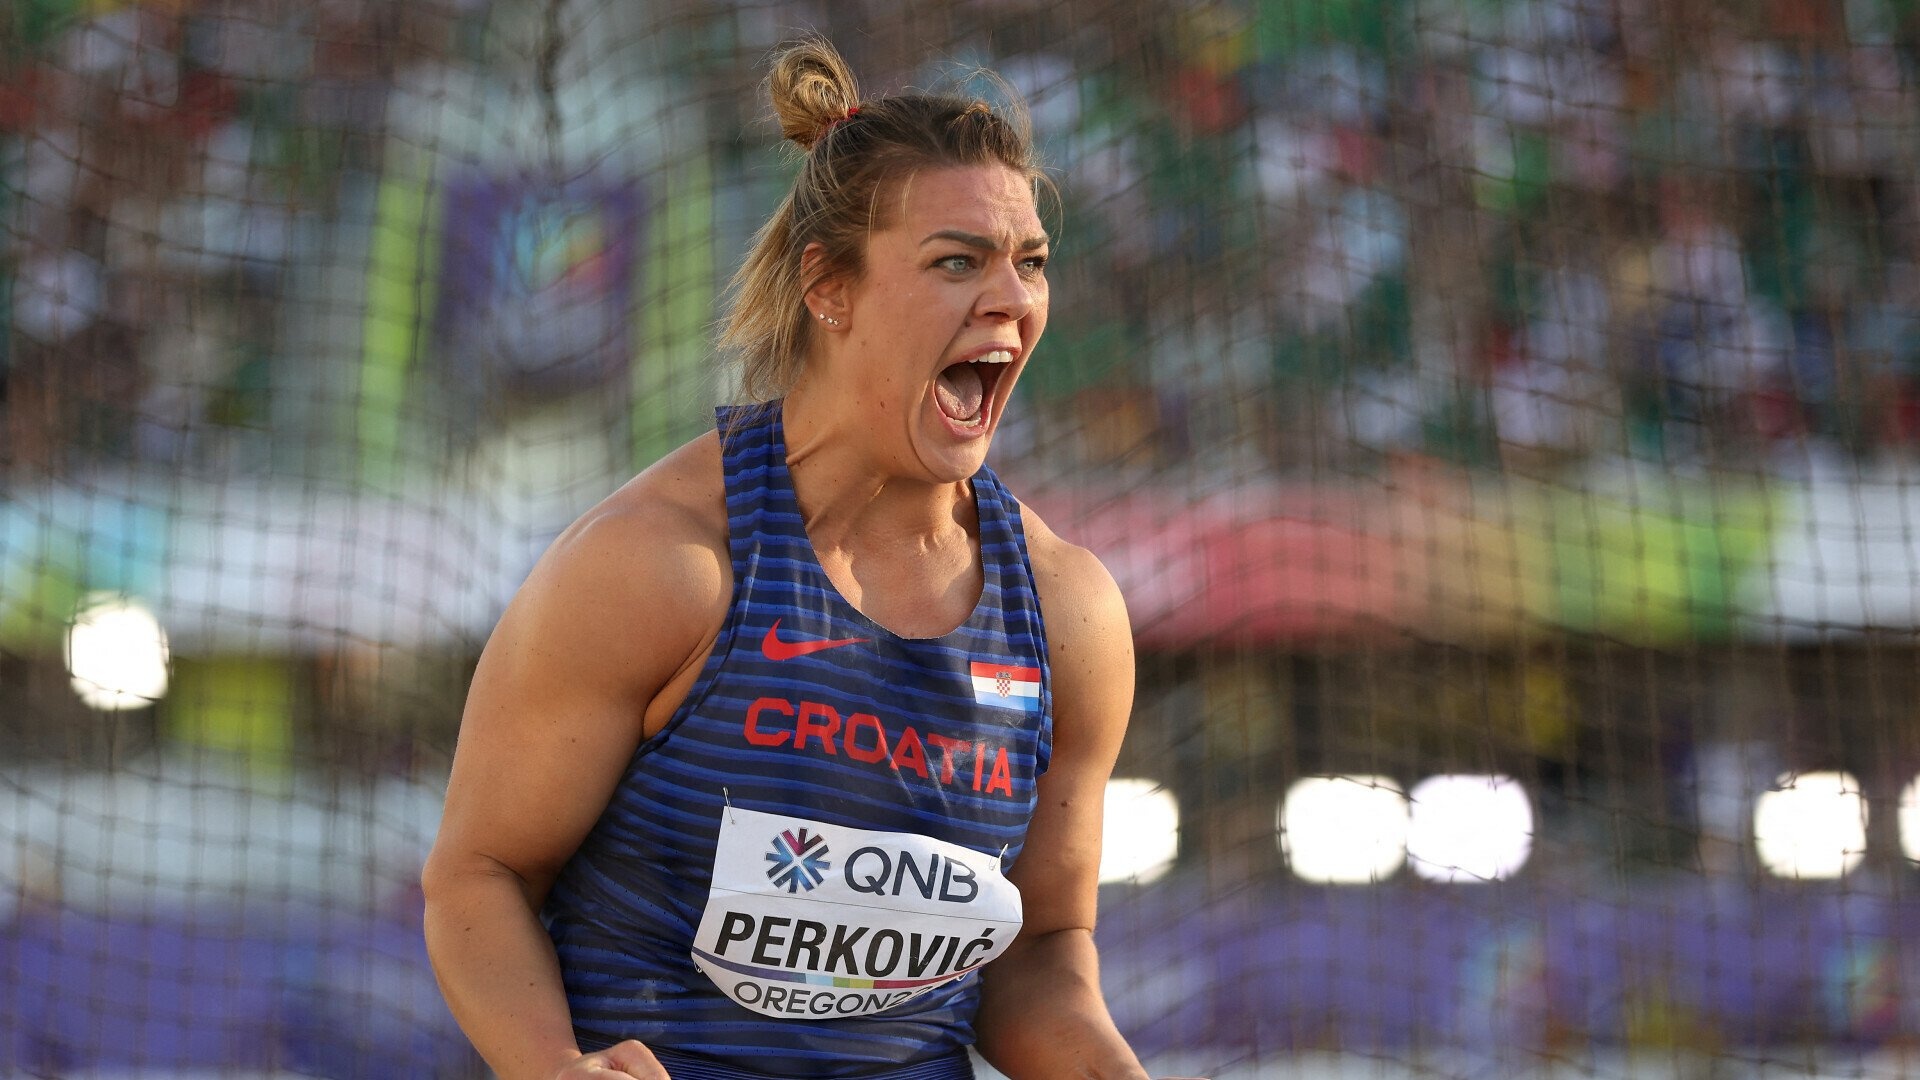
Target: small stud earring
[{"x": 828, "y": 319}]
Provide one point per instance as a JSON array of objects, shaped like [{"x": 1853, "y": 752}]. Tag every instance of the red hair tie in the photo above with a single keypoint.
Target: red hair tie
[{"x": 852, "y": 112}]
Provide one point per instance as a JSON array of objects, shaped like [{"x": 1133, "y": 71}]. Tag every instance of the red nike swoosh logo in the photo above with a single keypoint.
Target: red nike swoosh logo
[{"x": 775, "y": 649}]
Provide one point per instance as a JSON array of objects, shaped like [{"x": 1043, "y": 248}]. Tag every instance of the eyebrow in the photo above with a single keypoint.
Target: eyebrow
[{"x": 975, "y": 240}]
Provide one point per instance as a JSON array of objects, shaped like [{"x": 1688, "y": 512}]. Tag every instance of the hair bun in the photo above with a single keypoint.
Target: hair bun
[{"x": 811, "y": 87}]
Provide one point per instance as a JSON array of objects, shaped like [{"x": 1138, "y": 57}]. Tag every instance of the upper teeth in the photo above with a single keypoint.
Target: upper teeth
[{"x": 998, "y": 356}]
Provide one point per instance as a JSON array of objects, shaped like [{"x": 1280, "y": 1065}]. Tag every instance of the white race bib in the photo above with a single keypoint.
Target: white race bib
[{"x": 807, "y": 919}]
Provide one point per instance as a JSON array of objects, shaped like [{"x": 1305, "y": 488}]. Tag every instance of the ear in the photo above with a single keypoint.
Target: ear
[{"x": 828, "y": 296}]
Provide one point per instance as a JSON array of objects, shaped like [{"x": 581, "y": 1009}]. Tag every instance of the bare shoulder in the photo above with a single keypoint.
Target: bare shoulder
[
  {"x": 609, "y": 618},
  {"x": 646, "y": 570},
  {"x": 1076, "y": 587},
  {"x": 1079, "y": 599},
  {"x": 667, "y": 524}
]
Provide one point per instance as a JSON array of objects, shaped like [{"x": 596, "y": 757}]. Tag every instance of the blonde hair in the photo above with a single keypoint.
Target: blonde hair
[{"x": 852, "y": 150}]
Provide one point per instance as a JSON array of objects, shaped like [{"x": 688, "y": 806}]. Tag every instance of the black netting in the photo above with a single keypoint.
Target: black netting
[{"x": 1501, "y": 415}]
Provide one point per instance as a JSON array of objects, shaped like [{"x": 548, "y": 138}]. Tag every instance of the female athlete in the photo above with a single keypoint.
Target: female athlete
[{"x": 788, "y": 758}]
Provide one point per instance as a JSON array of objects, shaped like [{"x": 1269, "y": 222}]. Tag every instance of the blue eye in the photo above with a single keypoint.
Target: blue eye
[{"x": 956, "y": 263}]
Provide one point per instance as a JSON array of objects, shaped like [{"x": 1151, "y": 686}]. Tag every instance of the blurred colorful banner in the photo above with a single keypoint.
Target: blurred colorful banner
[
  {"x": 1686, "y": 966},
  {"x": 536, "y": 282},
  {"x": 1491, "y": 972},
  {"x": 1485, "y": 561}
]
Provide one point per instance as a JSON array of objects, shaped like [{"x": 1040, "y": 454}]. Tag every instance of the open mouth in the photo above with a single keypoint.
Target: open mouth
[{"x": 964, "y": 389}]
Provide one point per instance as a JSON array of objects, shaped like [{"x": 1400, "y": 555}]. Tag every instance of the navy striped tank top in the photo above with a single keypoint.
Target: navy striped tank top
[{"x": 801, "y": 874}]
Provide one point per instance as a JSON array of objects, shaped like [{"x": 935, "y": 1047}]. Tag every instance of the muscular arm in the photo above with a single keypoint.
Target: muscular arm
[
  {"x": 1042, "y": 1016},
  {"x": 564, "y": 692}
]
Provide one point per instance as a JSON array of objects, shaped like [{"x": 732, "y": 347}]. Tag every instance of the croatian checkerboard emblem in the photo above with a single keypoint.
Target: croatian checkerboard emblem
[{"x": 1005, "y": 685}]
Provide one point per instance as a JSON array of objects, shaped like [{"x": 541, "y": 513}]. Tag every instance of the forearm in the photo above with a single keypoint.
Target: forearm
[
  {"x": 1042, "y": 1016},
  {"x": 497, "y": 969}
]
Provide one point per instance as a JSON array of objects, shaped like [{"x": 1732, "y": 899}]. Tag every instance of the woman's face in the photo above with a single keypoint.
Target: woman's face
[{"x": 940, "y": 325}]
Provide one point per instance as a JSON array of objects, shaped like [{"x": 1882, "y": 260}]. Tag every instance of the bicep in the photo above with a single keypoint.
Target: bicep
[
  {"x": 1090, "y": 649},
  {"x": 555, "y": 710}
]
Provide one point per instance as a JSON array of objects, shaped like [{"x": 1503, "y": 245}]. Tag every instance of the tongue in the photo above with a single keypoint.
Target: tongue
[{"x": 959, "y": 391}]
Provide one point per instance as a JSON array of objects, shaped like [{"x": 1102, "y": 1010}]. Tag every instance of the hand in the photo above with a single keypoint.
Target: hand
[{"x": 630, "y": 1058}]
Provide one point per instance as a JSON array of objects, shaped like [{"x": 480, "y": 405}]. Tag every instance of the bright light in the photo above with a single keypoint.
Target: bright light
[
  {"x": 1469, "y": 828},
  {"x": 117, "y": 654},
  {"x": 1141, "y": 831},
  {"x": 1814, "y": 825},
  {"x": 1910, "y": 820},
  {"x": 1344, "y": 830}
]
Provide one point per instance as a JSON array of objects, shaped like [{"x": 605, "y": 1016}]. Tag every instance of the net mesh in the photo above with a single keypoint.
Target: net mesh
[{"x": 1501, "y": 416}]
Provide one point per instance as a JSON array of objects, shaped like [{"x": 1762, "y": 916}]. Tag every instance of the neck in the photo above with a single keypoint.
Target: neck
[{"x": 849, "y": 489}]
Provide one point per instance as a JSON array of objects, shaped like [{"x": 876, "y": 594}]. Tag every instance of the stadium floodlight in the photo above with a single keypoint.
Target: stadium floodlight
[
  {"x": 1141, "y": 831},
  {"x": 1469, "y": 827},
  {"x": 1813, "y": 825},
  {"x": 1343, "y": 830},
  {"x": 1910, "y": 820},
  {"x": 117, "y": 654}
]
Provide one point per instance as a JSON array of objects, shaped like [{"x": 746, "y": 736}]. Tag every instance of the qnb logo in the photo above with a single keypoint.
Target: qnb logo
[
  {"x": 799, "y": 860},
  {"x": 880, "y": 872}
]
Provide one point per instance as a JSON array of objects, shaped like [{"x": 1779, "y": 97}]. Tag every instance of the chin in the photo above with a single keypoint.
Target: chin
[
  {"x": 954, "y": 468},
  {"x": 947, "y": 461}
]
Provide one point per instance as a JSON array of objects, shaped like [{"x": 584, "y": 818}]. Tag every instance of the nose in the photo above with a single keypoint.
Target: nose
[{"x": 1004, "y": 293}]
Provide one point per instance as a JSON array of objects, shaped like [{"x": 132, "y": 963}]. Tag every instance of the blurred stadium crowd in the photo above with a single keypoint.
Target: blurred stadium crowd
[
  {"x": 1295, "y": 236},
  {"x": 388, "y": 290},
  {"x": 166, "y": 165}
]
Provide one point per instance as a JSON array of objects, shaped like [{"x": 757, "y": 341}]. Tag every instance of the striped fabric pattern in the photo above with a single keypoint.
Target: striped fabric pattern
[{"x": 804, "y": 707}]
